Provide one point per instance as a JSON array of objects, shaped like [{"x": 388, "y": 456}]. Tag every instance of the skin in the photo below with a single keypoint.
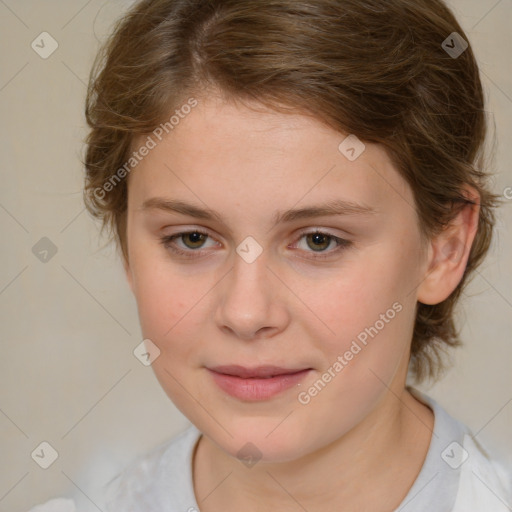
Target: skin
[{"x": 362, "y": 440}]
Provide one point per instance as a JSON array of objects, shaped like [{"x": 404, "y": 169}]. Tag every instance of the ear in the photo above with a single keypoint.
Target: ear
[{"x": 448, "y": 253}]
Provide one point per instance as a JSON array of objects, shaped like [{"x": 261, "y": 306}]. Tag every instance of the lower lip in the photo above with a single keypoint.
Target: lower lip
[{"x": 257, "y": 389}]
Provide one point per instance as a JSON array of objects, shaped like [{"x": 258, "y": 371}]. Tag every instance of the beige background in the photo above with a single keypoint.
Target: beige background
[{"x": 69, "y": 326}]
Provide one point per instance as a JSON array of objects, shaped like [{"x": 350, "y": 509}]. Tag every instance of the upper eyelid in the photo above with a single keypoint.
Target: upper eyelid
[
  {"x": 184, "y": 228},
  {"x": 299, "y": 232}
]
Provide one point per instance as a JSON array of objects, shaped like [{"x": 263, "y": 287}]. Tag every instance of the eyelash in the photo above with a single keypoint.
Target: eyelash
[{"x": 168, "y": 240}]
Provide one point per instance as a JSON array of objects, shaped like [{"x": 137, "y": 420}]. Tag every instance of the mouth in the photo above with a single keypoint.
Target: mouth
[{"x": 257, "y": 383}]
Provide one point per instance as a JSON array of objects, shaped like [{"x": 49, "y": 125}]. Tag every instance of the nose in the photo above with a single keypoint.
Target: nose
[{"x": 250, "y": 305}]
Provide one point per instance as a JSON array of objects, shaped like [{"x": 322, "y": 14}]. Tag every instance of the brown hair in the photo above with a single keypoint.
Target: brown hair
[{"x": 373, "y": 68}]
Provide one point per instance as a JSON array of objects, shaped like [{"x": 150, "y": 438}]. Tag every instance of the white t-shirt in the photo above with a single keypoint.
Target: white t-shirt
[{"x": 458, "y": 475}]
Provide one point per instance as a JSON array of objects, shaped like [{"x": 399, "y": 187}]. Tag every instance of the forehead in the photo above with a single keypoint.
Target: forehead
[{"x": 225, "y": 152}]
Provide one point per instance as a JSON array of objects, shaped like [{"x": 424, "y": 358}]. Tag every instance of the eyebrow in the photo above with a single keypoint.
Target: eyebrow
[{"x": 335, "y": 207}]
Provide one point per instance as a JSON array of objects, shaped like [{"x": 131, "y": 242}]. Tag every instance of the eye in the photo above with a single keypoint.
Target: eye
[
  {"x": 319, "y": 241},
  {"x": 194, "y": 241},
  {"x": 195, "y": 238}
]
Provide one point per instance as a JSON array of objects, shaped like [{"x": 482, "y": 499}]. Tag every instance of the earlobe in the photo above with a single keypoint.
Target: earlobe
[{"x": 448, "y": 254}]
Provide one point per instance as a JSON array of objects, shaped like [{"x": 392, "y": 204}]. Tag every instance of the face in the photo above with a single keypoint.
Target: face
[{"x": 276, "y": 276}]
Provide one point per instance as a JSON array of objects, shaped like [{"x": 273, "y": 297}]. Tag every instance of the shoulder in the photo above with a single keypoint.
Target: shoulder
[
  {"x": 485, "y": 482},
  {"x": 465, "y": 475},
  {"x": 156, "y": 479}
]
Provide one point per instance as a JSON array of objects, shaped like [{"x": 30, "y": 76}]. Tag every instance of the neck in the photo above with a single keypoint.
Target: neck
[{"x": 371, "y": 467}]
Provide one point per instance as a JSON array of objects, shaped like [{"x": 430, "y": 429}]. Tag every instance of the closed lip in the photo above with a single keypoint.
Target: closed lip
[{"x": 257, "y": 372}]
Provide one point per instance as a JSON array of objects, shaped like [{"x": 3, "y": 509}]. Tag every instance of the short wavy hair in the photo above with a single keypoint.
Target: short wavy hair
[{"x": 379, "y": 69}]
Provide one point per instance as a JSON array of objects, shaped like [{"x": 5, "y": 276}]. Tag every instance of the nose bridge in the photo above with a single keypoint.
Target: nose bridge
[
  {"x": 247, "y": 301},
  {"x": 250, "y": 272}
]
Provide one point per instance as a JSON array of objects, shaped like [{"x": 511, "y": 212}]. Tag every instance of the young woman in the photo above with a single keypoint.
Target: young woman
[{"x": 298, "y": 193}]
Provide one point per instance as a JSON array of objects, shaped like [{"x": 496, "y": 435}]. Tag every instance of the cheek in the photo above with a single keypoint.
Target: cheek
[
  {"x": 370, "y": 310},
  {"x": 163, "y": 297},
  {"x": 168, "y": 307},
  {"x": 361, "y": 364},
  {"x": 159, "y": 308}
]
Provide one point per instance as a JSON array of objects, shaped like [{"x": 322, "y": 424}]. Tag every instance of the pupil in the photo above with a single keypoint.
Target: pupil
[
  {"x": 317, "y": 239},
  {"x": 195, "y": 237}
]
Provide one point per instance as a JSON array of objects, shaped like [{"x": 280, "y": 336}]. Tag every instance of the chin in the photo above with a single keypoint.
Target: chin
[{"x": 261, "y": 438}]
